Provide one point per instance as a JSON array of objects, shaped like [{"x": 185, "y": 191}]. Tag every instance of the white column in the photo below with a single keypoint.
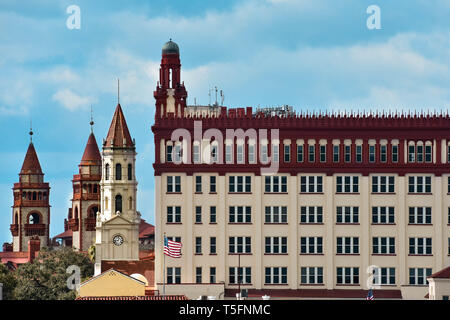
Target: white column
[
  {"x": 402, "y": 241},
  {"x": 329, "y": 227},
  {"x": 439, "y": 241},
  {"x": 365, "y": 238},
  {"x": 293, "y": 236},
  {"x": 222, "y": 224},
  {"x": 258, "y": 242}
]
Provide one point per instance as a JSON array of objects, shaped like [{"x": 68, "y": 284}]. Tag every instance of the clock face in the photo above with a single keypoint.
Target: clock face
[{"x": 118, "y": 240}]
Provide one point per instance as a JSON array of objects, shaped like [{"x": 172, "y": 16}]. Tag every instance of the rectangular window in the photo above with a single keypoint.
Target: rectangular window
[
  {"x": 240, "y": 154},
  {"x": 412, "y": 153},
  {"x": 275, "y": 214},
  {"x": 198, "y": 184},
  {"x": 311, "y": 275},
  {"x": 196, "y": 153},
  {"x": 241, "y": 275},
  {"x": 347, "y": 184},
  {"x": 372, "y": 154},
  {"x": 347, "y": 153},
  {"x": 312, "y": 153},
  {"x": 174, "y": 214},
  {"x": 275, "y": 245},
  {"x": 323, "y": 153},
  {"x": 212, "y": 184},
  {"x": 239, "y": 184},
  {"x": 198, "y": 245},
  {"x": 311, "y": 215},
  {"x": 198, "y": 214},
  {"x": 384, "y": 276},
  {"x": 275, "y": 153},
  {"x": 251, "y": 153},
  {"x": 240, "y": 214},
  {"x": 359, "y": 154},
  {"x": 212, "y": 245},
  {"x": 212, "y": 214},
  {"x": 347, "y": 245},
  {"x": 383, "y": 153},
  {"x": 240, "y": 245},
  {"x": 448, "y": 153},
  {"x": 419, "y": 184},
  {"x": 264, "y": 155},
  {"x": 173, "y": 275},
  {"x": 177, "y": 154},
  {"x": 383, "y": 215},
  {"x": 300, "y": 153},
  {"x": 169, "y": 154},
  {"x": 420, "y": 246},
  {"x": 419, "y": 154},
  {"x": 276, "y": 275},
  {"x": 394, "y": 154},
  {"x": 420, "y": 215},
  {"x": 214, "y": 155},
  {"x": 287, "y": 153},
  {"x": 383, "y": 184},
  {"x": 212, "y": 275},
  {"x": 311, "y": 245},
  {"x": 198, "y": 275},
  {"x": 228, "y": 153},
  {"x": 383, "y": 245},
  {"x": 347, "y": 275},
  {"x": 336, "y": 154},
  {"x": 347, "y": 215},
  {"x": 275, "y": 184},
  {"x": 311, "y": 184},
  {"x": 428, "y": 154},
  {"x": 418, "y": 276},
  {"x": 173, "y": 184}
]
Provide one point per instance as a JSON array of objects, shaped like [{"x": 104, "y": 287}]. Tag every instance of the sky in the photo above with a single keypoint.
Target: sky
[{"x": 315, "y": 55}]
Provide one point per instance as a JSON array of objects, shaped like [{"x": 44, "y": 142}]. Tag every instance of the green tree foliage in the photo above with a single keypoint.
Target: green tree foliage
[
  {"x": 9, "y": 282},
  {"x": 46, "y": 278}
]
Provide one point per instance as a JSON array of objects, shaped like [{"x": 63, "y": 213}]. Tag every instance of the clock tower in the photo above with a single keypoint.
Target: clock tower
[{"x": 117, "y": 226}]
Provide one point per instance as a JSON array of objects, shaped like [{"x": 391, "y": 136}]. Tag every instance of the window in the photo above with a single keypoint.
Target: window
[
  {"x": 264, "y": 156},
  {"x": 169, "y": 153},
  {"x": 384, "y": 276},
  {"x": 240, "y": 214},
  {"x": 198, "y": 245},
  {"x": 418, "y": 276},
  {"x": 118, "y": 171},
  {"x": 212, "y": 274},
  {"x": 198, "y": 184},
  {"x": 214, "y": 155},
  {"x": 311, "y": 275},
  {"x": 118, "y": 203},
  {"x": 107, "y": 171},
  {"x": 411, "y": 153},
  {"x": 130, "y": 172},
  {"x": 198, "y": 214},
  {"x": 420, "y": 153},
  {"x": 347, "y": 245},
  {"x": 383, "y": 153},
  {"x": 212, "y": 214},
  {"x": 428, "y": 154},
  {"x": 419, "y": 184},
  {"x": 35, "y": 218},
  {"x": 196, "y": 153},
  {"x": 448, "y": 186},
  {"x": 177, "y": 154},
  {"x": 311, "y": 245},
  {"x": 347, "y": 215},
  {"x": 347, "y": 184},
  {"x": 276, "y": 245},
  {"x": 251, "y": 153},
  {"x": 372, "y": 154},
  {"x": 420, "y": 215},
  {"x": 383, "y": 245},
  {"x": 236, "y": 184},
  {"x": 240, "y": 275},
  {"x": 383, "y": 184},
  {"x": 448, "y": 153},
  {"x": 275, "y": 184},
  {"x": 198, "y": 275},
  {"x": 359, "y": 153},
  {"x": 275, "y": 153},
  {"x": 448, "y": 216},
  {"x": 347, "y": 275},
  {"x": 311, "y": 184},
  {"x": 173, "y": 275},
  {"x": 287, "y": 153},
  {"x": 212, "y": 184},
  {"x": 383, "y": 215},
  {"x": 312, "y": 153},
  {"x": 336, "y": 154},
  {"x": 240, "y": 153},
  {"x": 176, "y": 239},
  {"x": 347, "y": 153},
  {"x": 276, "y": 275},
  {"x": 173, "y": 184},
  {"x": 394, "y": 154},
  {"x": 240, "y": 245},
  {"x": 420, "y": 246},
  {"x": 323, "y": 153},
  {"x": 174, "y": 214},
  {"x": 300, "y": 153},
  {"x": 311, "y": 214},
  {"x": 228, "y": 153},
  {"x": 275, "y": 214},
  {"x": 212, "y": 245},
  {"x": 448, "y": 246}
]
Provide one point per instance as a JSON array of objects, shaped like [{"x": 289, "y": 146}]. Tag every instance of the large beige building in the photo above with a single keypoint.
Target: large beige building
[{"x": 316, "y": 206}]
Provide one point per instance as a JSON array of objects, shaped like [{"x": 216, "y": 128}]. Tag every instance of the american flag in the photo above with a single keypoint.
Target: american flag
[
  {"x": 172, "y": 248},
  {"x": 370, "y": 295}
]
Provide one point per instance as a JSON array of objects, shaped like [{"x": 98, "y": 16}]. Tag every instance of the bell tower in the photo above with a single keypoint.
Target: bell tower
[
  {"x": 31, "y": 209},
  {"x": 170, "y": 93}
]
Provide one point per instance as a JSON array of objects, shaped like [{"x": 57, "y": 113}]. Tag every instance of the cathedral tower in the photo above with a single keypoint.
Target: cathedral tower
[
  {"x": 117, "y": 229},
  {"x": 31, "y": 209}
]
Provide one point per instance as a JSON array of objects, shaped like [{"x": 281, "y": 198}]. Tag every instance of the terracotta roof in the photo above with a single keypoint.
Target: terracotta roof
[
  {"x": 146, "y": 229},
  {"x": 443, "y": 274},
  {"x": 171, "y": 297},
  {"x": 65, "y": 234},
  {"x": 319, "y": 293},
  {"x": 118, "y": 131},
  {"x": 146, "y": 267},
  {"x": 14, "y": 258},
  {"x": 91, "y": 153},
  {"x": 31, "y": 163}
]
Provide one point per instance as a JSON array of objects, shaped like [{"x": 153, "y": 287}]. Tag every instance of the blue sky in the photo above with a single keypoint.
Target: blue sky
[{"x": 312, "y": 54}]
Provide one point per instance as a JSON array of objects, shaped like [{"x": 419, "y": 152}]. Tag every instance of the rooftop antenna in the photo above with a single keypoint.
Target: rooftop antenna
[
  {"x": 92, "y": 122},
  {"x": 195, "y": 101},
  {"x": 222, "y": 97},
  {"x": 209, "y": 94},
  {"x": 216, "y": 94},
  {"x": 31, "y": 131}
]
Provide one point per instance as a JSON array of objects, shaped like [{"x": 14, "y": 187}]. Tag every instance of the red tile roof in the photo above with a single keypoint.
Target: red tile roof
[
  {"x": 31, "y": 163},
  {"x": 118, "y": 131},
  {"x": 171, "y": 297},
  {"x": 146, "y": 229},
  {"x": 146, "y": 267},
  {"x": 443, "y": 274},
  {"x": 65, "y": 234},
  {"x": 91, "y": 153},
  {"x": 15, "y": 258}
]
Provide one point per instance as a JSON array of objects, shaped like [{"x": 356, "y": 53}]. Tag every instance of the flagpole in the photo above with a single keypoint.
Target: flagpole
[{"x": 164, "y": 269}]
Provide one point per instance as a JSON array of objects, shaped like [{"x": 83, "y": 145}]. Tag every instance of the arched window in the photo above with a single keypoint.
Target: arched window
[
  {"x": 29, "y": 195},
  {"x": 76, "y": 213},
  {"x": 34, "y": 218},
  {"x": 34, "y": 195},
  {"x": 118, "y": 171},
  {"x": 130, "y": 203},
  {"x": 130, "y": 172},
  {"x": 24, "y": 195},
  {"x": 89, "y": 188},
  {"x": 40, "y": 196},
  {"x": 16, "y": 218},
  {"x": 95, "y": 188},
  {"x": 93, "y": 212},
  {"x": 107, "y": 171},
  {"x": 45, "y": 195},
  {"x": 118, "y": 203}
]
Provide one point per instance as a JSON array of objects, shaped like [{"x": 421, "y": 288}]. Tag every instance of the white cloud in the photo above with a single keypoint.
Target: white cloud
[{"x": 72, "y": 101}]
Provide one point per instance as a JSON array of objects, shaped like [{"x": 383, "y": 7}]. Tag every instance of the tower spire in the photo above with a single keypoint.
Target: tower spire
[
  {"x": 31, "y": 131},
  {"x": 92, "y": 122},
  {"x": 118, "y": 91}
]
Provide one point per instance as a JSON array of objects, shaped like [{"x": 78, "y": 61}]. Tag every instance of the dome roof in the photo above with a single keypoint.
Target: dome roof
[{"x": 170, "y": 47}]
